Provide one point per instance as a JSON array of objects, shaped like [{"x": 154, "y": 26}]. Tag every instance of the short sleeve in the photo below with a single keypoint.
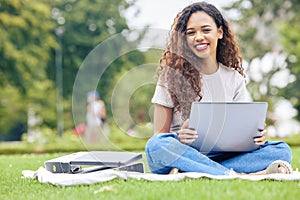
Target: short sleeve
[
  {"x": 241, "y": 92},
  {"x": 162, "y": 96}
]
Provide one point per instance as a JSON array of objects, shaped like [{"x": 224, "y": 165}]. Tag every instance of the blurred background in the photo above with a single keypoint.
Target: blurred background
[{"x": 44, "y": 44}]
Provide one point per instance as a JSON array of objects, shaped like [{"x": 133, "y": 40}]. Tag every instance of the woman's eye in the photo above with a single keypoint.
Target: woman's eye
[
  {"x": 206, "y": 30},
  {"x": 190, "y": 33}
]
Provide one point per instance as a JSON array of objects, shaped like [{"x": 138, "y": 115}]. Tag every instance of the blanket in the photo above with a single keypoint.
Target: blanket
[{"x": 58, "y": 179}]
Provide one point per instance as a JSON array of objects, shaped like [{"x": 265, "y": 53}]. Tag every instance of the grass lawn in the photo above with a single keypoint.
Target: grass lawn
[{"x": 14, "y": 187}]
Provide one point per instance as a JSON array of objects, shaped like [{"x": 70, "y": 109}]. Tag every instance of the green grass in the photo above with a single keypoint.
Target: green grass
[
  {"x": 15, "y": 187},
  {"x": 70, "y": 143}
]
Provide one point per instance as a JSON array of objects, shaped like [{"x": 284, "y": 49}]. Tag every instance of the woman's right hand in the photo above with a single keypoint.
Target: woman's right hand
[{"x": 186, "y": 135}]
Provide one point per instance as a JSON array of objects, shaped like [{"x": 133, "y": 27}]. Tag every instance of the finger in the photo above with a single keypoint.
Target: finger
[
  {"x": 260, "y": 140},
  {"x": 185, "y": 124},
  {"x": 187, "y": 141},
  {"x": 187, "y": 130},
  {"x": 187, "y": 133},
  {"x": 187, "y": 136},
  {"x": 257, "y": 142},
  {"x": 264, "y": 132},
  {"x": 260, "y": 143}
]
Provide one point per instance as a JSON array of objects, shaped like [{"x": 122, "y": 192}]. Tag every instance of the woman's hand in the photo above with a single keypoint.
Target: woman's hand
[
  {"x": 261, "y": 140},
  {"x": 186, "y": 135}
]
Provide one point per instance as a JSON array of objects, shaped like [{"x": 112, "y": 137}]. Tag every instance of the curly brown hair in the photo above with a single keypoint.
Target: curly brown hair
[{"x": 176, "y": 69}]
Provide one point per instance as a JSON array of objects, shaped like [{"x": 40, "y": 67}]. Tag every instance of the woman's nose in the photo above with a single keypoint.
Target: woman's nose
[{"x": 198, "y": 36}]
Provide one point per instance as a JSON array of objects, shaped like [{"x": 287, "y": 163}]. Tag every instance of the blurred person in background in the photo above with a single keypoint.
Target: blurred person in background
[{"x": 95, "y": 119}]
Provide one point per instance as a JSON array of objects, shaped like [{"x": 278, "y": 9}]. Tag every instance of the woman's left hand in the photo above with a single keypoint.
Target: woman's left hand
[
  {"x": 186, "y": 135},
  {"x": 261, "y": 140}
]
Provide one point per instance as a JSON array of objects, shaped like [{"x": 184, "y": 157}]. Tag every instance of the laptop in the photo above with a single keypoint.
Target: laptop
[
  {"x": 227, "y": 126},
  {"x": 89, "y": 161}
]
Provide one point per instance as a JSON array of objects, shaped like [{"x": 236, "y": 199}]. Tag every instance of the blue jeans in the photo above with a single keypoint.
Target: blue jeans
[{"x": 165, "y": 151}]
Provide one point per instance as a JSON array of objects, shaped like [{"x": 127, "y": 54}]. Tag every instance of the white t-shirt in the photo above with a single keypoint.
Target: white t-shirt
[
  {"x": 93, "y": 114},
  {"x": 224, "y": 85}
]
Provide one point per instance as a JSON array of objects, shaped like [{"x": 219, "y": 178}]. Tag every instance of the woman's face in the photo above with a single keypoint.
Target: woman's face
[{"x": 202, "y": 35}]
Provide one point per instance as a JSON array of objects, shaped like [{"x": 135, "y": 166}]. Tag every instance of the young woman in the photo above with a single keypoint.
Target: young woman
[{"x": 202, "y": 63}]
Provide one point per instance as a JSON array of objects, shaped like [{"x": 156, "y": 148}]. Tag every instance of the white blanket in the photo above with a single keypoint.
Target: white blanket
[{"x": 45, "y": 176}]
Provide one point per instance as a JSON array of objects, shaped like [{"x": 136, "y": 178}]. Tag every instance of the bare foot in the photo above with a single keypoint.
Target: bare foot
[{"x": 277, "y": 167}]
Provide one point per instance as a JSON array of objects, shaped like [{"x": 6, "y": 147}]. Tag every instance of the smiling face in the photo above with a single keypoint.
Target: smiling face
[{"x": 202, "y": 35}]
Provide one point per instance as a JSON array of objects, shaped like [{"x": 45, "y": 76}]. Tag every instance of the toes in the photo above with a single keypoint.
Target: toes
[{"x": 282, "y": 170}]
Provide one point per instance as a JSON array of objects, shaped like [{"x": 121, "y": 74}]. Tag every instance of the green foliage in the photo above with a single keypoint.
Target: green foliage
[
  {"x": 29, "y": 43},
  {"x": 11, "y": 102},
  {"x": 139, "y": 104},
  {"x": 262, "y": 27},
  {"x": 26, "y": 42},
  {"x": 257, "y": 24},
  {"x": 289, "y": 31},
  {"x": 49, "y": 142},
  {"x": 86, "y": 24}
]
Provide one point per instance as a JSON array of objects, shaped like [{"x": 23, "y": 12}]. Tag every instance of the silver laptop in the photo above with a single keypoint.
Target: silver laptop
[
  {"x": 85, "y": 162},
  {"x": 227, "y": 126}
]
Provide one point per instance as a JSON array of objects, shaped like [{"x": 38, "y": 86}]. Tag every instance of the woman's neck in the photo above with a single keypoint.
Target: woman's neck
[{"x": 207, "y": 67}]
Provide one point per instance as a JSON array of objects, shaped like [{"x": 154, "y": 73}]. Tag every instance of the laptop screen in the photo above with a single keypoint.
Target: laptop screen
[{"x": 227, "y": 126}]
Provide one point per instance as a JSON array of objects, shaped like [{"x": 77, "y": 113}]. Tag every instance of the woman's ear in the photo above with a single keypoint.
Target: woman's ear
[{"x": 220, "y": 32}]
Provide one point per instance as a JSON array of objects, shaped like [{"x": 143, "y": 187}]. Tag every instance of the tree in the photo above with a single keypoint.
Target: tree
[
  {"x": 26, "y": 42},
  {"x": 290, "y": 40},
  {"x": 86, "y": 25},
  {"x": 267, "y": 28},
  {"x": 32, "y": 33}
]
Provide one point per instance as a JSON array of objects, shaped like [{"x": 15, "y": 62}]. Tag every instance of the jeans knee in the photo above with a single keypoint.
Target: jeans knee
[
  {"x": 157, "y": 152},
  {"x": 284, "y": 151},
  {"x": 157, "y": 142},
  {"x": 152, "y": 144}
]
